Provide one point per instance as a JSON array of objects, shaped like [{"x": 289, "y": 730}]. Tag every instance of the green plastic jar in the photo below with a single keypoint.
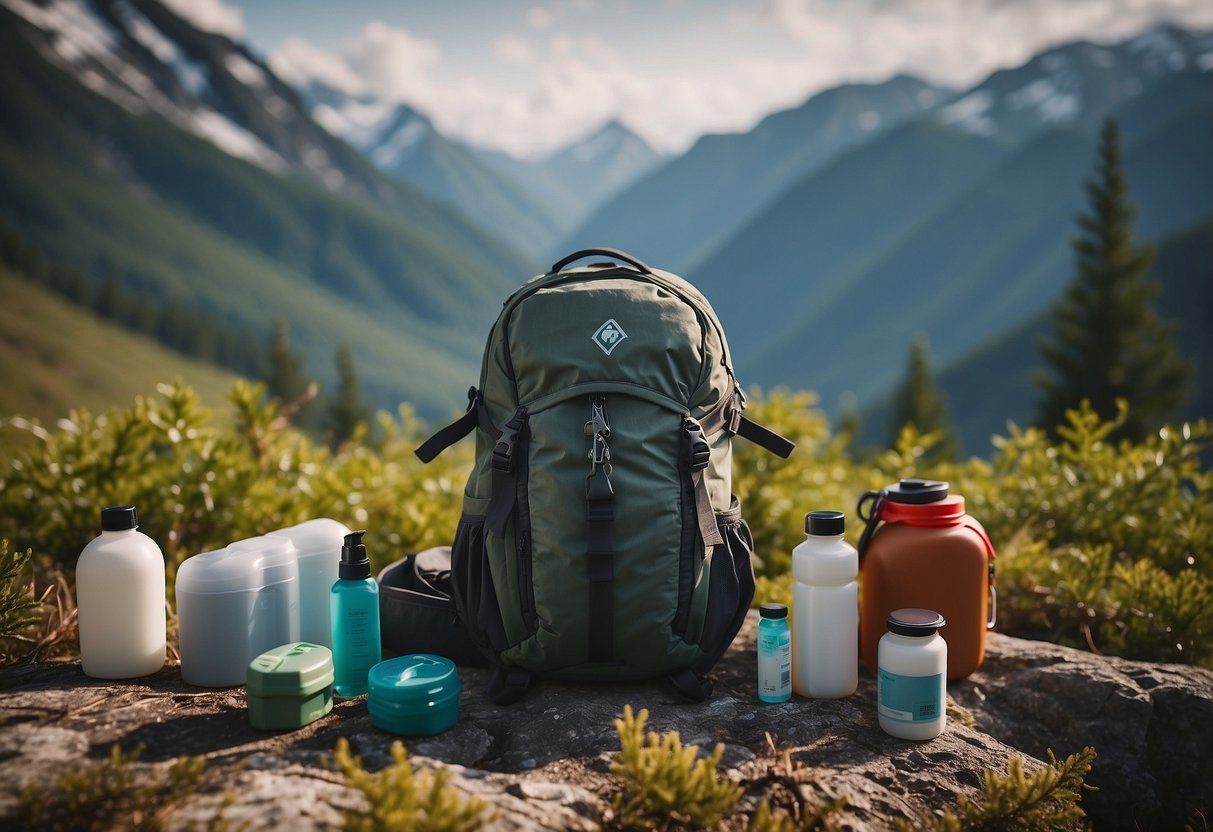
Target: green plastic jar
[
  {"x": 290, "y": 686},
  {"x": 417, "y": 694}
]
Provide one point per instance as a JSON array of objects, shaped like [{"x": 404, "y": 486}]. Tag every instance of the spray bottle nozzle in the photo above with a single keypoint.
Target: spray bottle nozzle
[{"x": 354, "y": 563}]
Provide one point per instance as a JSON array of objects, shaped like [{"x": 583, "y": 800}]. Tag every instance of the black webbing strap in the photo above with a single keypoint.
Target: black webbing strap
[
  {"x": 763, "y": 437},
  {"x": 699, "y": 454},
  {"x": 600, "y": 563},
  {"x": 507, "y": 685},
  {"x": 691, "y": 685},
  {"x": 476, "y": 416},
  {"x": 510, "y": 448}
]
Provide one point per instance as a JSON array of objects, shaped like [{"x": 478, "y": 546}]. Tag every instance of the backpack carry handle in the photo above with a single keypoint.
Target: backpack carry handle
[{"x": 613, "y": 253}]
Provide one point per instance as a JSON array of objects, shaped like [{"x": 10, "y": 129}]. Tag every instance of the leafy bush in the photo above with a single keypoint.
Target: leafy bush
[
  {"x": 111, "y": 794},
  {"x": 401, "y": 800},
  {"x": 665, "y": 782},
  {"x": 17, "y": 604},
  {"x": 1045, "y": 801},
  {"x": 1103, "y": 545}
]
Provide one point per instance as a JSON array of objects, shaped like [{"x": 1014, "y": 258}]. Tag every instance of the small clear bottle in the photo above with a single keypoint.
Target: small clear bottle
[
  {"x": 912, "y": 661},
  {"x": 774, "y": 654}
]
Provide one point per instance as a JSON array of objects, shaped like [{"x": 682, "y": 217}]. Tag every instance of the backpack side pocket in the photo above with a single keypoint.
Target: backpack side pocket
[
  {"x": 730, "y": 586},
  {"x": 472, "y": 584}
]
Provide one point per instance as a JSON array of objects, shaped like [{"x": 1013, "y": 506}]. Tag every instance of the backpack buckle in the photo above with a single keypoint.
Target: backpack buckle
[
  {"x": 504, "y": 449},
  {"x": 699, "y": 451}
]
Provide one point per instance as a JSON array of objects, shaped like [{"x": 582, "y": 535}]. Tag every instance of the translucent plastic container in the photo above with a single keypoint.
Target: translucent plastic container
[
  {"x": 234, "y": 604},
  {"x": 318, "y": 547}
]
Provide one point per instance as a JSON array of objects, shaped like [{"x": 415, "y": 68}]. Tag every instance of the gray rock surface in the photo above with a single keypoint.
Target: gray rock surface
[{"x": 544, "y": 762}]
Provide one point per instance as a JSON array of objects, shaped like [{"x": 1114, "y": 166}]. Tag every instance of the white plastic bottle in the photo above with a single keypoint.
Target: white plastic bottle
[
  {"x": 825, "y": 610},
  {"x": 318, "y": 548},
  {"x": 912, "y": 665},
  {"x": 120, "y": 600}
]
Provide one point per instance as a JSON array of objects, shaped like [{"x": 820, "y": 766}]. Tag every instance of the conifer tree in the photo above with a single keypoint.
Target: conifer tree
[
  {"x": 920, "y": 402},
  {"x": 1110, "y": 342},
  {"x": 348, "y": 408},
  {"x": 285, "y": 380}
]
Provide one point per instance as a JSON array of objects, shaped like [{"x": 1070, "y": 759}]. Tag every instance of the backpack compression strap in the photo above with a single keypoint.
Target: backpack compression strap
[{"x": 476, "y": 416}]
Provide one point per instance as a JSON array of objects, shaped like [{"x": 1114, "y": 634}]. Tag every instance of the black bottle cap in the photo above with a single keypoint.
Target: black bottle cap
[
  {"x": 825, "y": 523},
  {"x": 354, "y": 566},
  {"x": 914, "y": 622},
  {"x": 918, "y": 492},
  {"x": 773, "y": 611},
  {"x": 118, "y": 519}
]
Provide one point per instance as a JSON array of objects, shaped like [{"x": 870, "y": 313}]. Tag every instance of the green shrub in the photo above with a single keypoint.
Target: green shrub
[
  {"x": 401, "y": 800},
  {"x": 1102, "y": 545},
  {"x": 665, "y": 782},
  {"x": 111, "y": 794},
  {"x": 1045, "y": 801},
  {"x": 18, "y": 606}
]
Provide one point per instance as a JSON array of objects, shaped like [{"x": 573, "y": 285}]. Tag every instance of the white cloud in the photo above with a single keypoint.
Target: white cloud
[
  {"x": 714, "y": 74},
  {"x": 539, "y": 18},
  {"x": 513, "y": 50},
  {"x": 211, "y": 16},
  {"x": 960, "y": 41}
]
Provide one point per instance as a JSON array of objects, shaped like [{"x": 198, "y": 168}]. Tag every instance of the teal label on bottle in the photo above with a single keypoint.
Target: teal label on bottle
[{"x": 910, "y": 698}]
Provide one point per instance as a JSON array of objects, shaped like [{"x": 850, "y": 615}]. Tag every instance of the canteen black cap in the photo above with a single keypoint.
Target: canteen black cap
[
  {"x": 354, "y": 566},
  {"x": 917, "y": 492},
  {"x": 914, "y": 622},
  {"x": 118, "y": 519},
  {"x": 825, "y": 523},
  {"x": 773, "y": 611}
]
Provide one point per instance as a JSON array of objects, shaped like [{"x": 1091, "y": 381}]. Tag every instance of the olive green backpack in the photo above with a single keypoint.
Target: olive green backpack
[{"x": 599, "y": 537}]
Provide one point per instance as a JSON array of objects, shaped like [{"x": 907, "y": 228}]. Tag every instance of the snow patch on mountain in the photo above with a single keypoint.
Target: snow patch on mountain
[
  {"x": 970, "y": 113},
  {"x": 357, "y": 121},
  {"x": 76, "y": 31},
  {"x": 234, "y": 139},
  {"x": 393, "y": 149},
  {"x": 1050, "y": 102},
  {"x": 193, "y": 76}
]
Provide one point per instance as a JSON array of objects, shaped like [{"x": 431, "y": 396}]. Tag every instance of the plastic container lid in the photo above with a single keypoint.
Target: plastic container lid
[
  {"x": 221, "y": 570},
  {"x": 415, "y": 683},
  {"x": 825, "y": 523},
  {"x": 917, "y": 492},
  {"x": 773, "y": 611},
  {"x": 914, "y": 622},
  {"x": 296, "y": 669},
  {"x": 277, "y": 560},
  {"x": 118, "y": 519},
  {"x": 321, "y": 536}
]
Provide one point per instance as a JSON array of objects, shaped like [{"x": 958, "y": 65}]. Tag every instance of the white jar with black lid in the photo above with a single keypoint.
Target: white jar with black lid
[{"x": 913, "y": 663}]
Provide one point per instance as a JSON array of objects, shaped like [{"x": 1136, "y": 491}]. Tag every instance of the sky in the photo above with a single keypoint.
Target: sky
[{"x": 529, "y": 76}]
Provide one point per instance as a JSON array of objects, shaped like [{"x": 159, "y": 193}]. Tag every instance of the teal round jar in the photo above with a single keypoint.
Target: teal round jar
[{"x": 417, "y": 694}]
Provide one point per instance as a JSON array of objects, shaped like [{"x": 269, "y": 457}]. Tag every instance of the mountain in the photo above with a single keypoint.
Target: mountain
[
  {"x": 908, "y": 232},
  {"x": 135, "y": 147},
  {"x": 685, "y": 208},
  {"x": 603, "y": 163},
  {"x": 1002, "y": 367},
  {"x": 994, "y": 256},
  {"x": 56, "y": 356},
  {"x": 405, "y": 144}
]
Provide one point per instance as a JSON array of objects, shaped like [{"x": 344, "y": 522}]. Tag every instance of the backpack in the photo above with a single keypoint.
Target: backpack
[{"x": 599, "y": 538}]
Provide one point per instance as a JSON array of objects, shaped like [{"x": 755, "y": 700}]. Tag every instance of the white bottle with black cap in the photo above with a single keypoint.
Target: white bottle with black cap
[
  {"x": 825, "y": 610},
  {"x": 120, "y": 600},
  {"x": 912, "y": 665}
]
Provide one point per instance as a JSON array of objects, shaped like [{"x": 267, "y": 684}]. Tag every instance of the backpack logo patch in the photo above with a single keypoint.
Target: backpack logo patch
[{"x": 608, "y": 336}]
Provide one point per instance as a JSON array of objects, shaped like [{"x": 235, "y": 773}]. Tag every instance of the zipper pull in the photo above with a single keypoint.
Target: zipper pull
[{"x": 597, "y": 426}]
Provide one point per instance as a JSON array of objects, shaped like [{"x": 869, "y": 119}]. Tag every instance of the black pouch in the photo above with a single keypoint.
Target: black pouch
[{"x": 417, "y": 613}]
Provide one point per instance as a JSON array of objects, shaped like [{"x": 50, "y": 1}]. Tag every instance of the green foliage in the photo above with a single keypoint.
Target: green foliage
[
  {"x": 401, "y": 800},
  {"x": 201, "y": 479},
  {"x": 1101, "y": 544},
  {"x": 665, "y": 782},
  {"x": 820, "y": 817},
  {"x": 111, "y": 794},
  {"x": 17, "y": 604},
  {"x": 1110, "y": 343},
  {"x": 920, "y": 402},
  {"x": 1044, "y": 801}
]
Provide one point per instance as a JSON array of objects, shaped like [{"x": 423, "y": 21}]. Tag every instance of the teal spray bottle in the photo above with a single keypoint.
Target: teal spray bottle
[{"x": 354, "y": 613}]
